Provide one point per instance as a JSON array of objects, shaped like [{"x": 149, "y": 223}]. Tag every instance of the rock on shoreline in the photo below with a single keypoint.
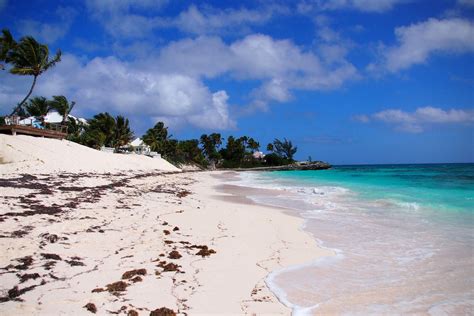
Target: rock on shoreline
[{"x": 316, "y": 165}]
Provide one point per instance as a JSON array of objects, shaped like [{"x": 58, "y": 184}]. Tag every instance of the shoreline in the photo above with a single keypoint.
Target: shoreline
[{"x": 87, "y": 233}]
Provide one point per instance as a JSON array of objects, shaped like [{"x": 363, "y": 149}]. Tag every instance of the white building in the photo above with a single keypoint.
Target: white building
[
  {"x": 139, "y": 147},
  {"x": 258, "y": 155}
]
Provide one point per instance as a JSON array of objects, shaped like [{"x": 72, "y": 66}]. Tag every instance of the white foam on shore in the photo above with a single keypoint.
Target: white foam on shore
[{"x": 387, "y": 246}]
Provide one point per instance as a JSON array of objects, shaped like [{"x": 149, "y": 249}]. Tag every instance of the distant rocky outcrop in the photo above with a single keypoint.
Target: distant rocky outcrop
[{"x": 303, "y": 165}]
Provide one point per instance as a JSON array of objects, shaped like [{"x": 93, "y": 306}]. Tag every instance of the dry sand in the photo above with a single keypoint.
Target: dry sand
[
  {"x": 68, "y": 239},
  {"x": 45, "y": 155}
]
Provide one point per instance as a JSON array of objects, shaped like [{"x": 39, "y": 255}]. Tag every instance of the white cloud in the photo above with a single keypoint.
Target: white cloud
[
  {"x": 49, "y": 32},
  {"x": 466, "y": 2},
  {"x": 416, "y": 121},
  {"x": 169, "y": 83},
  {"x": 114, "y": 6},
  {"x": 375, "y": 6},
  {"x": 279, "y": 64},
  {"x": 107, "y": 84},
  {"x": 208, "y": 20},
  {"x": 3, "y": 4},
  {"x": 361, "y": 118},
  {"x": 126, "y": 18},
  {"x": 417, "y": 42}
]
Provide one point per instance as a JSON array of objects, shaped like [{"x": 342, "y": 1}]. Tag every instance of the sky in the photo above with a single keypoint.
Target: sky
[{"x": 347, "y": 81}]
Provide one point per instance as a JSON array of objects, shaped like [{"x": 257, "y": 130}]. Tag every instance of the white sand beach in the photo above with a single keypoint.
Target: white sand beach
[
  {"x": 77, "y": 229},
  {"x": 26, "y": 154}
]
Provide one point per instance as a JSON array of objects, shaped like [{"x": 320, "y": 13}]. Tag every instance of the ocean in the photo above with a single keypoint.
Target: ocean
[{"x": 402, "y": 238}]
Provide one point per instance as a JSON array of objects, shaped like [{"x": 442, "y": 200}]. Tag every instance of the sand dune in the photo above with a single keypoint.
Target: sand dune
[{"x": 43, "y": 155}]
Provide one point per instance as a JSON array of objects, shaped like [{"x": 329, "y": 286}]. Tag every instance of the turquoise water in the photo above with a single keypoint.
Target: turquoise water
[
  {"x": 437, "y": 186},
  {"x": 402, "y": 237}
]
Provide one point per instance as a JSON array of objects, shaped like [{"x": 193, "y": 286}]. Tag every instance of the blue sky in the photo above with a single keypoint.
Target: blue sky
[{"x": 348, "y": 81}]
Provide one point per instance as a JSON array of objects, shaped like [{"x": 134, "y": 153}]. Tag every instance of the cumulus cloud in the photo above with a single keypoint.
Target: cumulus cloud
[
  {"x": 469, "y": 3},
  {"x": 416, "y": 121},
  {"x": 169, "y": 83},
  {"x": 127, "y": 19},
  {"x": 417, "y": 42},
  {"x": 108, "y": 84},
  {"x": 114, "y": 6},
  {"x": 280, "y": 64},
  {"x": 3, "y": 4},
  {"x": 49, "y": 32},
  {"x": 362, "y": 118},
  {"x": 375, "y": 6},
  {"x": 208, "y": 20}
]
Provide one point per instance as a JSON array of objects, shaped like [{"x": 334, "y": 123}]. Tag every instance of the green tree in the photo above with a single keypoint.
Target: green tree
[
  {"x": 30, "y": 58},
  {"x": 270, "y": 147},
  {"x": 156, "y": 137},
  {"x": 75, "y": 130},
  {"x": 7, "y": 43},
  {"x": 284, "y": 149},
  {"x": 62, "y": 105},
  {"x": 104, "y": 124},
  {"x": 123, "y": 134},
  {"x": 210, "y": 144},
  {"x": 38, "y": 106},
  {"x": 190, "y": 151},
  {"x": 253, "y": 145},
  {"x": 234, "y": 153}
]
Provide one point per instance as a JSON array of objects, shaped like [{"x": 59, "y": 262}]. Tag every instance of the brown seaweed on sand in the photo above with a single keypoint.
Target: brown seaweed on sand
[
  {"x": 15, "y": 292},
  {"x": 168, "y": 267},
  {"x": 91, "y": 307},
  {"x": 130, "y": 274},
  {"x": 51, "y": 256},
  {"x": 174, "y": 255},
  {"x": 27, "y": 276},
  {"x": 204, "y": 250},
  {"x": 26, "y": 262},
  {"x": 136, "y": 279},
  {"x": 98, "y": 290},
  {"x": 163, "y": 312},
  {"x": 115, "y": 287}
]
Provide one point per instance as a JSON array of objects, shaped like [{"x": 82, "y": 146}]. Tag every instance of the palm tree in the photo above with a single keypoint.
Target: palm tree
[
  {"x": 30, "y": 58},
  {"x": 284, "y": 148},
  {"x": 156, "y": 137},
  {"x": 210, "y": 144},
  {"x": 253, "y": 144},
  {"x": 7, "y": 43},
  {"x": 103, "y": 123},
  {"x": 38, "y": 106},
  {"x": 123, "y": 134},
  {"x": 62, "y": 105}
]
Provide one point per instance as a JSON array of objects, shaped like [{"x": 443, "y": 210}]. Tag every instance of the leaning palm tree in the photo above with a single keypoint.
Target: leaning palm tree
[
  {"x": 7, "y": 43},
  {"x": 30, "y": 58},
  {"x": 62, "y": 105},
  {"x": 38, "y": 106}
]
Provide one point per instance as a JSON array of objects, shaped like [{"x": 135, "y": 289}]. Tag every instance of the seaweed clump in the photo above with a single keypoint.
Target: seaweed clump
[
  {"x": 91, "y": 307},
  {"x": 115, "y": 287},
  {"x": 163, "y": 312},
  {"x": 130, "y": 274}
]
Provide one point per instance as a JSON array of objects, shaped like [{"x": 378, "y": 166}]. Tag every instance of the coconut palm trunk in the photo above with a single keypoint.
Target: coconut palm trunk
[
  {"x": 30, "y": 58},
  {"x": 17, "y": 108}
]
